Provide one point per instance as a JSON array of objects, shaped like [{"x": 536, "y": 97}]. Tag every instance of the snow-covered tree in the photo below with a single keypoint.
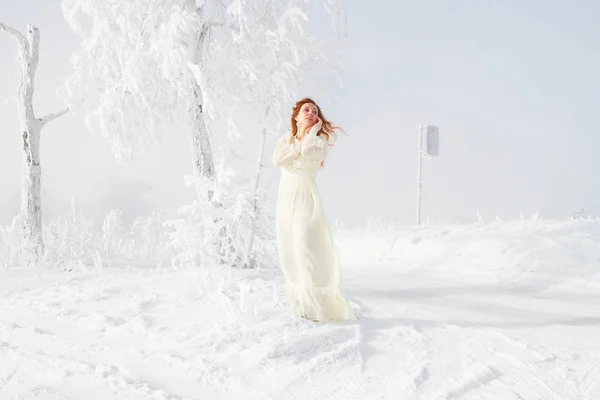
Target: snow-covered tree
[
  {"x": 148, "y": 69},
  {"x": 132, "y": 75},
  {"x": 31, "y": 127}
]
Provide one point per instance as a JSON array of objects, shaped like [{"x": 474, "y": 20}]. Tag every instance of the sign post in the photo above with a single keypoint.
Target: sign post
[{"x": 431, "y": 142}]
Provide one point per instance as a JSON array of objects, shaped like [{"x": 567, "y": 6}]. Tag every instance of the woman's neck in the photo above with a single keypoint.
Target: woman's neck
[{"x": 301, "y": 132}]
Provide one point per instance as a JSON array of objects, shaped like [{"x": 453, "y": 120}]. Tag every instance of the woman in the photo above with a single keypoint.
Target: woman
[{"x": 306, "y": 248}]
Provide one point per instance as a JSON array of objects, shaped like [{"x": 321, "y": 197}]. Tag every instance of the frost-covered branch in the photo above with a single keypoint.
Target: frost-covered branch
[
  {"x": 15, "y": 33},
  {"x": 47, "y": 118},
  {"x": 132, "y": 74}
]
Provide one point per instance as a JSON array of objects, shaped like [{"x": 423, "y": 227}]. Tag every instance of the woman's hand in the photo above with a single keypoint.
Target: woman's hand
[{"x": 316, "y": 127}]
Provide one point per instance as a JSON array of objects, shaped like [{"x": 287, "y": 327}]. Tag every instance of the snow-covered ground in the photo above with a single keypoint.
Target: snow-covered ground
[{"x": 505, "y": 310}]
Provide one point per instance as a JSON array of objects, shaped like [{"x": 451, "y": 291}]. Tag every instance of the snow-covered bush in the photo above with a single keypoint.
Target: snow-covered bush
[
  {"x": 237, "y": 233},
  {"x": 145, "y": 239},
  {"x": 577, "y": 213},
  {"x": 13, "y": 246},
  {"x": 77, "y": 241},
  {"x": 72, "y": 240}
]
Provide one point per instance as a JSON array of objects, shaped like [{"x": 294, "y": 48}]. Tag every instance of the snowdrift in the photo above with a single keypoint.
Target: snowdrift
[{"x": 507, "y": 310}]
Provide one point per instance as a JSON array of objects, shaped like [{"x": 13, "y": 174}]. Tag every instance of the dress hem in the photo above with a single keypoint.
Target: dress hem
[{"x": 325, "y": 303}]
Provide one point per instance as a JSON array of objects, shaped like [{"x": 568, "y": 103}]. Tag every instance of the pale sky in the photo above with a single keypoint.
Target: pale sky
[{"x": 512, "y": 85}]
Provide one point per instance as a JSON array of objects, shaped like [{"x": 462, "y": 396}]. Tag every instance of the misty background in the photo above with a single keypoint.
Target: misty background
[{"x": 513, "y": 87}]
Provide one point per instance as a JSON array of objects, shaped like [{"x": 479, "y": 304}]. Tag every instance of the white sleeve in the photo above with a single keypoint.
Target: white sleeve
[
  {"x": 314, "y": 145},
  {"x": 285, "y": 151}
]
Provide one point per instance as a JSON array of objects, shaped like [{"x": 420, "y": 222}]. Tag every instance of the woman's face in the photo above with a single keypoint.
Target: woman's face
[{"x": 308, "y": 115}]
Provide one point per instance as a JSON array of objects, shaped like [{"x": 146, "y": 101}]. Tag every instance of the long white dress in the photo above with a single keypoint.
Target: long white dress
[{"x": 306, "y": 249}]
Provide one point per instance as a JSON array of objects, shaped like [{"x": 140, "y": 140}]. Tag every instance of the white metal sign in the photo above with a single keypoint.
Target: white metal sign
[{"x": 433, "y": 140}]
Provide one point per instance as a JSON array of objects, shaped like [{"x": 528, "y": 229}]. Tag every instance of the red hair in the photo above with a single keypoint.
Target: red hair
[{"x": 327, "y": 128}]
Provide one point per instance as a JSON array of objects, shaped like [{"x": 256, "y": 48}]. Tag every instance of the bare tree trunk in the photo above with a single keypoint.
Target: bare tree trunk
[
  {"x": 256, "y": 181},
  {"x": 31, "y": 127},
  {"x": 203, "y": 164},
  {"x": 204, "y": 167}
]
